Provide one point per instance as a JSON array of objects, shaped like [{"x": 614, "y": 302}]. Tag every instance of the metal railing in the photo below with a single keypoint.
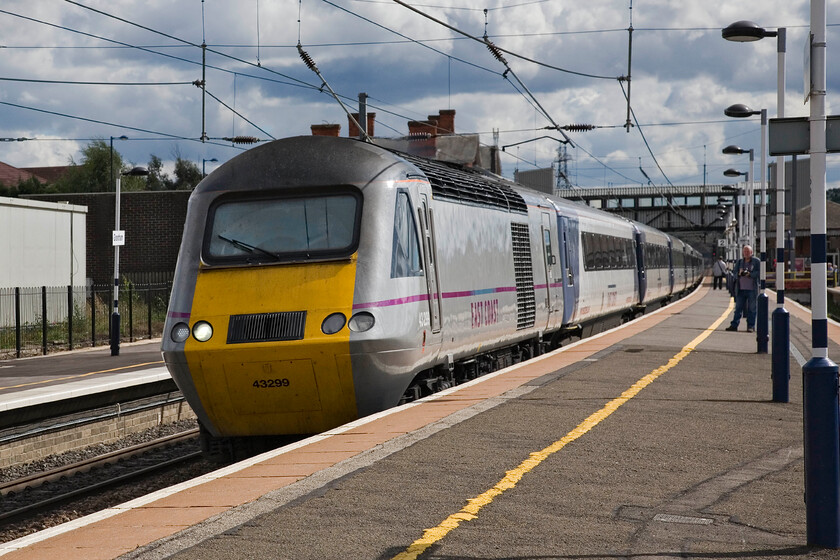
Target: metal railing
[{"x": 41, "y": 320}]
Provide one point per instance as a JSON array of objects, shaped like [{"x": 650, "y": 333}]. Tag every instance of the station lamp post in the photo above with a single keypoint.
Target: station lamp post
[
  {"x": 820, "y": 374},
  {"x": 111, "y": 175},
  {"x": 749, "y": 231},
  {"x": 747, "y": 31},
  {"x": 203, "y": 163},
  {"x": 821, "y": 413},
  {"x": 118, "y": 240},
  {"x": 744, "y": 207},
  {"x": 740, "y": 110}
]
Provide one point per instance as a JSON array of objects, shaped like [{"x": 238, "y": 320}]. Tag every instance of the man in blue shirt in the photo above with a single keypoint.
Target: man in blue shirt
[{"x": 746, "y": 271}]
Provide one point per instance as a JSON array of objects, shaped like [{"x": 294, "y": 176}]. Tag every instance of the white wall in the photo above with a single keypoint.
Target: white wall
[{"x": 41, "y": 243}]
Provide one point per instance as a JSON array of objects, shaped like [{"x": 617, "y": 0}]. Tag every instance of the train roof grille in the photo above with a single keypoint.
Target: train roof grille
[{"x": 453, "y": 182}]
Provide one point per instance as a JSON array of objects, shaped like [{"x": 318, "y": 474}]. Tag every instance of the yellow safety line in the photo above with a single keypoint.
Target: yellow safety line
[
  {"x": 512, "y": 477},
  {"x": 77, "y": 376}
]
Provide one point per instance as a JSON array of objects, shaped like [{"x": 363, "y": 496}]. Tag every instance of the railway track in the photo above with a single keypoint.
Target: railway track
[{"x": 37, "y": 494}]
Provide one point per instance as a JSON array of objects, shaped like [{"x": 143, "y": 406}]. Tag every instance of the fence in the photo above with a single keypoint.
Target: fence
[{"x": 51, "y": 319}]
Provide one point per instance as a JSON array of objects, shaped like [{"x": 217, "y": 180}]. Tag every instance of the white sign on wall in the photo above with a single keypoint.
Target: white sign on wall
[{"x": 118, "y": 237}]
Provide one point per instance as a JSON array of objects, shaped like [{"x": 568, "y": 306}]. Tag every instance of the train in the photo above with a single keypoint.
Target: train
[{"x": 323, "y": 279}]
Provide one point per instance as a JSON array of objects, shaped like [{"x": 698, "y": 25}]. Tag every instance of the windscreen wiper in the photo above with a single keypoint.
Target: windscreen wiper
[{"x": 250, "y": 248}]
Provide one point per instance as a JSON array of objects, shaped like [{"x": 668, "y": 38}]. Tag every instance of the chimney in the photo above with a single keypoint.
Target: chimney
[
  {"x": 417, "y": 128},
  {"x": 353, "y": 130},
  {"x": 325, "y": 129},
  {"x": 446, "y": 121},
  {"x": 436, "y": 125}
]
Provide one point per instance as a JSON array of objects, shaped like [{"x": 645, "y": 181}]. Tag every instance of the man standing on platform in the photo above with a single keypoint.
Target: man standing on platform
[
  {"x": 718, "y": 274},
  {"x": 746, "y": 272}
]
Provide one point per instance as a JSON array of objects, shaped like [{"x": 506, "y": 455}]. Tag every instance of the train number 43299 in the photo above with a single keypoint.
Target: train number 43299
[{"x": 270, "y": 383}]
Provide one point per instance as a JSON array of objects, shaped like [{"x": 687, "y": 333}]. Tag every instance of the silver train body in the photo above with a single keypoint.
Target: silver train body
[{"x": 324, "y": 279}]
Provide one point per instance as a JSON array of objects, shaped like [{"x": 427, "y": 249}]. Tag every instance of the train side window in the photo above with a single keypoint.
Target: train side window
[
  {"x": 598, "y": 249},
  {"x": 588, "y": 257},
  {"x": 622, "y": 253},
  {"x": 623, "y": 257},
  {"x": 615, "y": 262},
  {"x": 405, "y": 252},
  {"x": 549, "y": 255}
]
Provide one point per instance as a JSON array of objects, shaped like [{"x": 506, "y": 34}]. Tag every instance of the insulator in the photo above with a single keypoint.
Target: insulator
[
  {"x": 304, "y": 56},
  {"x": 578, "y": 127},
  {"x": 242, "y": 139},
  {"x": 494, "y": 50}
]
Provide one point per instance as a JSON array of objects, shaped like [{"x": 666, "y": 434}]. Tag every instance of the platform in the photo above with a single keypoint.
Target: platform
[
  {"x": 41, "y": 387},
  {"x": 32, "y": 380},
  {"x": 655, "y": 440}
]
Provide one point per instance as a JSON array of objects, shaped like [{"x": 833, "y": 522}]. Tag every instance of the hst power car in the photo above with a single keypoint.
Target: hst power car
[{"x": 322, "y": 279}]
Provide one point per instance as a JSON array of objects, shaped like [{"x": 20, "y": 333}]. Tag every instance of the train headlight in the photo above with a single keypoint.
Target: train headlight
[
  {"x": 361, "y": 322},
  {"x": 180, "y": 332},
  {"x": 202, "y": 331},
  {"x": 333, "y": 323}
]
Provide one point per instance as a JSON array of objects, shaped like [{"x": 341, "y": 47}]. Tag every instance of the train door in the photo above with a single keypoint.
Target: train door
[
  {"x": 549, "y": 260},
  {"x": 641, "y": 265},
  {"x": 430, "y": 261},
  {"x": 568, "y": 233},
  {"x": 670, "y": 262}
]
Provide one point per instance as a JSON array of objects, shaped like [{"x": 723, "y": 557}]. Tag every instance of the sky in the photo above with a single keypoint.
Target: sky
[{"x": 74, "y": 71}]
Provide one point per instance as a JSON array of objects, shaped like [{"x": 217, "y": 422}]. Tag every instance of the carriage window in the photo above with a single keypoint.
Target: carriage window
[
  {"x": 405, "y": 253},
  {"x": 261, "y": 230},
  {"x": 588, "y": 251}
]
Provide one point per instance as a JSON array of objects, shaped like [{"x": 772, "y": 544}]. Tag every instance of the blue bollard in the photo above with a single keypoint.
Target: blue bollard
[
  {"x": 781, "y": 355},
  {"x": 761, "y": 326},
  {"x": 115, "y": 333},
  {"x": 822, "y": 452}
]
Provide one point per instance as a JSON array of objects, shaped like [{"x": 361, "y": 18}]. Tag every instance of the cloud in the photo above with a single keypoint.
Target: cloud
[{"x": 682, "y": 72}]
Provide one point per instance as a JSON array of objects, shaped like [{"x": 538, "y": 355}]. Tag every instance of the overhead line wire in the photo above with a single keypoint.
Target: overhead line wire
[
  {"x": 511, "y": 53},
  {"x": 656, "y": 161},
  {"x": 238, "y": 114},
  {"x": 486, "y": 43},
  {"x": 225, "y": 55},
  {"x": 300, "y": 83},
  {"x": 95, "y": 121},
  {"x": 461, "y": 7},
  {"x": 495, "y": 50},
  {"x": 69, "y": 82},
  {"x": 181, "y": 59},
  {"x": 406, "y": 37}
]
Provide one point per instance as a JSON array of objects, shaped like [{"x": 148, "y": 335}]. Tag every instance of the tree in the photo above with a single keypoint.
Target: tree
[
  {"x": 28, "y": 186},
  {"x": 93, "y": 174},
  {"x": 187, "y": 174},
  {"x": 157, "y": 179}
]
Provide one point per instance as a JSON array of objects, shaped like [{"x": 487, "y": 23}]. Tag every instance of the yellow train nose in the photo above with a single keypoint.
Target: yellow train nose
[{"x": 280, "y": 364}]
